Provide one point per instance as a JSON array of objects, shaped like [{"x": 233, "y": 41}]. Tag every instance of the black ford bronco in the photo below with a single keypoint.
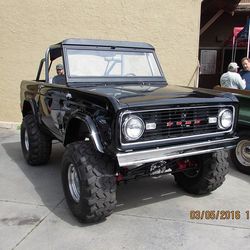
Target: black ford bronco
[{"x": 120, "y": 120}]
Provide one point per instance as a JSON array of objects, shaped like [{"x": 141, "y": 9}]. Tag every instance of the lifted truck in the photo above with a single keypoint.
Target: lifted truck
[
  {"x": 120, "y": 120},
  {"x": 241, "y": 154}
]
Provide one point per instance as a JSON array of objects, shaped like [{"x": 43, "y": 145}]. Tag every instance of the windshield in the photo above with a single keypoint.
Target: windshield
[{"x": 106, "y": 63}]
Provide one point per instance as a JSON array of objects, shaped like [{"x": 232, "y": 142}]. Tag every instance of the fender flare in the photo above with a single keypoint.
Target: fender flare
[
  {"x": 32, "y": 104},
  {"x": 87, "y": 120}
]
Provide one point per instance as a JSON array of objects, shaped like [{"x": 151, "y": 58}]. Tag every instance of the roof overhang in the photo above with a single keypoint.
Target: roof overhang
[{"x": 211, "y": 10}]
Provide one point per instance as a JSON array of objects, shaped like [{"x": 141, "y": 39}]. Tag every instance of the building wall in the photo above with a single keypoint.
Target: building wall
[{"x": 27, "y": 28}]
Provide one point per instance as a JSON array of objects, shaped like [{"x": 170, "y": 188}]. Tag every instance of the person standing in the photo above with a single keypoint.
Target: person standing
[
  {"x": 245, "y": 73},
  {"x": 232, "y": 79}
]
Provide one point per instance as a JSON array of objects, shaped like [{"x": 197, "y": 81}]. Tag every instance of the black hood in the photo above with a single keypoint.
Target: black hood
[{"x": 154, "y": 95}]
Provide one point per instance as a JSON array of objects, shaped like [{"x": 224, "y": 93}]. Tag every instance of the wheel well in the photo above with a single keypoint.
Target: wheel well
[
  {"x": 77, "y": 130},
  {"x": 27, "y": 108}
]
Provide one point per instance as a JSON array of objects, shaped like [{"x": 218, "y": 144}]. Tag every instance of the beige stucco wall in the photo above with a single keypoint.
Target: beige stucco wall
[{"x": 28, "y": 27}]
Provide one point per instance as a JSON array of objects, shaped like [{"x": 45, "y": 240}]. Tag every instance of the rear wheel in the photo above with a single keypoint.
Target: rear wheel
[
  {"x": 241, "y": 154},
  {"x": 36, "y": 146},
  {"x": 209, "y": 175},
  {"x": 89, "y": 182}
]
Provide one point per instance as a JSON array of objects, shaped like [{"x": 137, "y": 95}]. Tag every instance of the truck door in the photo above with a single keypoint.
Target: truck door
[{"x": 51, "y": 101}]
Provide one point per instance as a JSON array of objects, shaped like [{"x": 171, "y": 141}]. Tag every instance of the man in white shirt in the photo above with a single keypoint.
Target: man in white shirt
[{"x": 232, "y": 79}]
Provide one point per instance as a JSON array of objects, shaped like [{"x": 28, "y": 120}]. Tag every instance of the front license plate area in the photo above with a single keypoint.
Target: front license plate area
[{"x": 159, "y": 168}]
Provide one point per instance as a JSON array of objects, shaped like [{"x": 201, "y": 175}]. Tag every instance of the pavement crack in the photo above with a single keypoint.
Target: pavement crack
[
  {"x": 22, "y": 202},
  {"x": 183, "y": 221},
  {"x": 38, "y": 223}
]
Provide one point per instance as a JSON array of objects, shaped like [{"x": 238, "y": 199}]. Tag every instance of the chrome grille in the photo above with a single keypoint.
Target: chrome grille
[{"x": 180, "y": 122}]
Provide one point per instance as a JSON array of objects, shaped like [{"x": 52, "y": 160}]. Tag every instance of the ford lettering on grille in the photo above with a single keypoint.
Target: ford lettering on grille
[{"x": 177, "y": 123}]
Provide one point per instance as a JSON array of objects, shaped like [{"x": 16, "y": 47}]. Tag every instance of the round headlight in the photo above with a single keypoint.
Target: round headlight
[
  {"x": 133, "y": 128},
  {"x": 225, "y": 118}
]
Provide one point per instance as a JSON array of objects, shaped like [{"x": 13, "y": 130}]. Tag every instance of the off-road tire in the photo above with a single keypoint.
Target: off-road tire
[
  {"x": 212, "y": 171},
  {"x": 96, "y": 178},
  {"x": 39, "y": 144},
  {"x": 241, "y": 154}
]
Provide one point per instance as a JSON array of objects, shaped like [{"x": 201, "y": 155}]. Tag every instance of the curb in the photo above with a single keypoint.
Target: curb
[{"x": 10, "y": 125}]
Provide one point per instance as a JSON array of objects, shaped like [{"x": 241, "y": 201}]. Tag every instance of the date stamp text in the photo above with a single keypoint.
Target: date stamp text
[{"x": 219, "y": 214}]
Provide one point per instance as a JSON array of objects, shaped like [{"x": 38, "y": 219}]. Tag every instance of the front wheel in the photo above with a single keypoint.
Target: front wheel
[
  {"x": 241, "y": 154},
  {"x": 89, "y": 184},
  {"x": 209, "y": 175}
]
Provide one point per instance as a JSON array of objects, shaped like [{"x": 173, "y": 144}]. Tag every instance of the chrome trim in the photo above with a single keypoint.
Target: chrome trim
[
  {"x": 124, "y": 127},
  {"x": 92, "y": 131},
  {"x": 26, "y": 140},
  {"x": 94, "y": 134},
  {"x": 221, "y": 112},
  {"x": 96, "y": 140},
  {"x": 166, "y": 153},
  {"x": 73, "y": 183},
  {"x": 176, "y": 138}
]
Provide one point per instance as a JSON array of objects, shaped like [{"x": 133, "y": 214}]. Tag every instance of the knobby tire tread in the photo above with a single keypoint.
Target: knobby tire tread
[
  {"x": 39, "y": 143},
  {"x": 98, "y": 185},
  {"x": 212, "y": 175}
]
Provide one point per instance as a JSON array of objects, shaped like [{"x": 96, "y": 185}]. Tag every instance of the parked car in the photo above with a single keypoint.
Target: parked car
[
  {"x": 120, "y": 120},
  {"x": 241, "y": 154}
]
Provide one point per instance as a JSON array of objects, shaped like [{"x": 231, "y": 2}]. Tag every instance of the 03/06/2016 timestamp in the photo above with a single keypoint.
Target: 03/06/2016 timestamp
[{"x": 219, "y": 214}]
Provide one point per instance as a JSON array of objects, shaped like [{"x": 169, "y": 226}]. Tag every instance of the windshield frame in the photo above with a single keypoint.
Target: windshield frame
[{"x": 108, "y": 79}]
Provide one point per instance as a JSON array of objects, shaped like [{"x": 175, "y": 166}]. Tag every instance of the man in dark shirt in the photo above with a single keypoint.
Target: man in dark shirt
[
  {"x": 60, "y": 78},
  {"x": 245, "y": 73}
]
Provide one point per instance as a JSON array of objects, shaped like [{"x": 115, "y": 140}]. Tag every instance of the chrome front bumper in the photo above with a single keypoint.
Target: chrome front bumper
[{"x": 166, "y": 153}]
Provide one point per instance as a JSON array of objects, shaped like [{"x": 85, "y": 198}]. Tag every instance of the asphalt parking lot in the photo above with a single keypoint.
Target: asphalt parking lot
[{"x": 150, "y": 214}]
